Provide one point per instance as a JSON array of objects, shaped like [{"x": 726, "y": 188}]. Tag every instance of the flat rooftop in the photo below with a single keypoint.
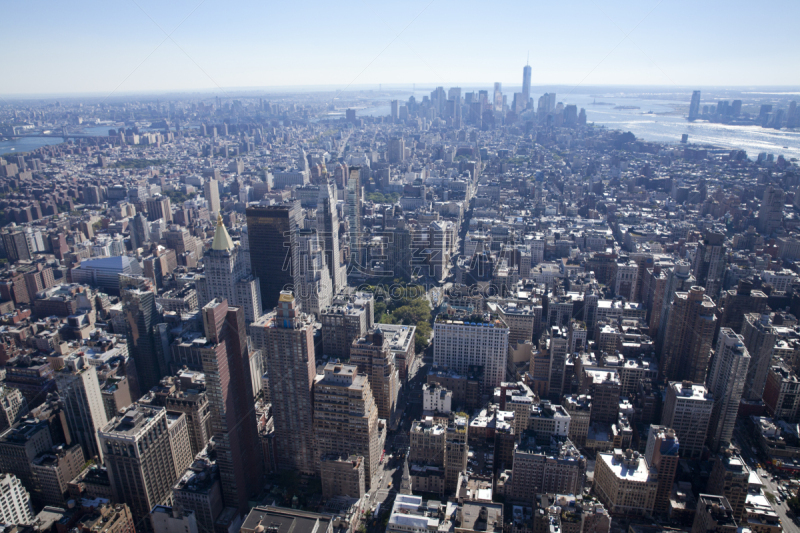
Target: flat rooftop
[{"x": 640, "y": 472}]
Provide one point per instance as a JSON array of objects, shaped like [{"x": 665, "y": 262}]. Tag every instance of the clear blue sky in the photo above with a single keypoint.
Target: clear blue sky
[{"x": 79, "y": 46}]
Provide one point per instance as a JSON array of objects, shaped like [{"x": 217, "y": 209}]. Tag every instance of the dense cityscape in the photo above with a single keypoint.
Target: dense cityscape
[{"x": 477, "y": 312}]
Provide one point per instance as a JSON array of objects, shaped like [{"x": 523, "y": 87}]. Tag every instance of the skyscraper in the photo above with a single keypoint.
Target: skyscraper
[
  {"x": 328, "y": 232},
  {"x": 15, "y": 502},
  {"x": 16, "y": 246},
  {"x": 286, "y": 338},
  {"x": 354, "y": 214},
  {"x": 347, "y": 319},
  {"x": 468, "y": 341},
  {"x": 19, "y": 446},
  {"x": 13, "y": 406},
  {"x": 228, "y": 276},
  {"x": 352, "y": 429},
  {"x": 559, "y": 349},
  {"x": 679, "y": 279},
  {"x": 226, "y": 364},
  {"x": 159, "y": 207},
  {"x": 140, "y": 232},
  {"x": 438, "y": 98},
  {"x": 400, "y": 251},
  {"x": 314, "y": 289},
  {"x": 694, "y": 106},
  {"x": 456, "y": 450},
  {"x": 372, "y": 355},
  {"x": 148, "y": 344},
  {"x": 211, "y": 193},
  {"x": 687, "y": 410},
  {"x": 396, "y": 148},
  {"x": 395, "y": 110},
  {"x": 710, "y": 263},
  {"x": 759, "y": 337},
  {"x": 688, "y": 336},
  {"x": 79, "y": 391},
  {"x": 770, "y": 214},
  {"x": 726, "y": 383},
  {"x": 662, "y": 453},
  {"x": 736, "y": 303},
  {"x": 302, "y": 160},
  {"x": 272, "y": 237},
  {"x": 497, "y": 100},
  {"x": 730, "y": 478},
  {"x": 526, "y": 85},
  {"x": 140, "y": 448}
]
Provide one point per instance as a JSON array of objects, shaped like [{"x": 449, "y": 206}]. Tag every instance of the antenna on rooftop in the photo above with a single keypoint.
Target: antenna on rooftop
[{"x": 528, "y": 61}]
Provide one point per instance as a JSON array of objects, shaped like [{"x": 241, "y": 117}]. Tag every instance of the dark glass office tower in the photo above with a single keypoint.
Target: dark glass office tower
[
  {"x": 145, "y": 338},
  {"x": 272, "y": 234}
]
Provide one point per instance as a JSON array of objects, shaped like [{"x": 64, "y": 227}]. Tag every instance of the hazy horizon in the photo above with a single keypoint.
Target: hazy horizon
[
  {"x": 143, "y": 46},
  {"x": 229, "y": 92}
]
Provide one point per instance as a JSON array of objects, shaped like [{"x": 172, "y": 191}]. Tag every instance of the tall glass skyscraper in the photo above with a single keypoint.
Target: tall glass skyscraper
[
  {"x": 147, "y": 342},
  {"x": 272, "y": 235},
  {"x": 526, "y": 85},
  {"x": 694, "y": 106}
]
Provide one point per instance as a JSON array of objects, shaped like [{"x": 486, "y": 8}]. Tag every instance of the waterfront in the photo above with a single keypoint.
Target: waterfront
[
  {"x": 665, "y": 124},
  {"x": 27, "y": 144}
]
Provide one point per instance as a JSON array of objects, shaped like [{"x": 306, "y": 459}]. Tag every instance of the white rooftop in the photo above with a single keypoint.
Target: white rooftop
[{"x": 640, "y": 474}]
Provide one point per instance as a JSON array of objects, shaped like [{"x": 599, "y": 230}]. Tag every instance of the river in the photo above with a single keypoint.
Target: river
[{"x": 665, "y": 124}]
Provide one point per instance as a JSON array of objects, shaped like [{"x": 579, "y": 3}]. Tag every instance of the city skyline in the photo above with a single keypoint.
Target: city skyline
[{"x": 420, "y": 307}]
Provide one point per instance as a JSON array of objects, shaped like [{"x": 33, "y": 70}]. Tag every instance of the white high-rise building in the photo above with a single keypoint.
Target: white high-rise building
[
  {"x": 726, "y": 382},
  {"x": 313, "y": 288},
  {"x": 228, "y": 275},
  {"x": 302, "y": 160},
  {"x": 328, "y": 234},
  {"x": 354, "y": 215},
  {"x": 211, "y": 193},
  {"x": 471, "y": 341},
  {"x": 79, "y": 390},
  {"x": 15, "y": 502},
  {"x": 687, "y": 410}
]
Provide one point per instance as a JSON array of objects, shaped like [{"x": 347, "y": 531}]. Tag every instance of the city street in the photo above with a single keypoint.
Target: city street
[
  {"x": 743, "y": 441},
  {"x": 393, "y": 475},
  {"x": 789, "y": 525}
]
